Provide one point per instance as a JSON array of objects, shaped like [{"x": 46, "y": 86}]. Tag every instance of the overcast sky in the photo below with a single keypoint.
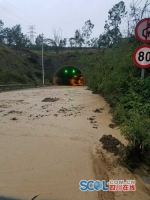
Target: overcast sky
[{"x": 65, "y": 15}]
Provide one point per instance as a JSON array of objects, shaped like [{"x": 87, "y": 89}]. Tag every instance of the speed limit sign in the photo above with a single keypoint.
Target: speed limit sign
[{"x": 141, "y": 56}]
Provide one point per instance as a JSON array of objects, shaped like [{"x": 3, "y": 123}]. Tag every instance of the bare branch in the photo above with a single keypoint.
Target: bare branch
[{"x": 147, "y": 3}]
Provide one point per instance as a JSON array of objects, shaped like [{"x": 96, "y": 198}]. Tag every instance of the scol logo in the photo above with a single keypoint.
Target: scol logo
[{"x": 92, "y": 185}]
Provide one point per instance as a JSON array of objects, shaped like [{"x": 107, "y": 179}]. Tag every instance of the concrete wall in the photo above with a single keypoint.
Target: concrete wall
[{"x": 53, "y": 64}]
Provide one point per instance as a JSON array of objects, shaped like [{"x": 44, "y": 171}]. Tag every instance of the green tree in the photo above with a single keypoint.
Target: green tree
[
  {"x": 8, "y": 36},
  {"x": 94, "y": 42},
  {"x": 1, "y": 31},
  {"x": 72, "y": 42},
  {"x": 18, "y": 37},
  {"x": 1, "y": 25},
  {"x": 104, "y": 40},
  {"x": 78, "y": 38},
  {"x": 15, "y": 38},
  {"x": 116, "y": 14},
  {"x": 87, "y": 31},
  {"x": 38, "y": 40},
  {"x": 62, "y": 43},
  {"x": 112, "y": 29}
]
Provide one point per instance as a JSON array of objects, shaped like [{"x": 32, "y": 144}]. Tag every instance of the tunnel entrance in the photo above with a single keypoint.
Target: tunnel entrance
[{"x": 68, "y": 75}]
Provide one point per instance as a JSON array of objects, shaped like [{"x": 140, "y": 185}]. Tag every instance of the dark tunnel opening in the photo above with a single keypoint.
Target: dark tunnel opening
[{"x": 68, "y": 76}]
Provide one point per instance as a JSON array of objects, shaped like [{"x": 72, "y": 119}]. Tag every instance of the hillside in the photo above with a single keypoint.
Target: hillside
[{"x": 19, "y": 66}]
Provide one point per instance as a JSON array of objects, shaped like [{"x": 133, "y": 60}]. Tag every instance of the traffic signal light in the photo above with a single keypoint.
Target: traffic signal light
[{"x": 66, "y": 71}]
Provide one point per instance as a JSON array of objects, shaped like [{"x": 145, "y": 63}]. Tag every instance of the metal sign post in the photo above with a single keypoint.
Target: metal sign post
[
  {"x": 42, "y": 60},
  {"x": 141, "y": 56},
  {"x": 142, "y": 73}
]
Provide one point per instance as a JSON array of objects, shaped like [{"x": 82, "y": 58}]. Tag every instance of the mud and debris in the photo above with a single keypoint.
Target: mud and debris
[
  {"x": 110, "y": 143},
  {"x": 71, "y": 110},
  {"x": 4, "y": 106},
  {"x": 95, "y": 127},
  {"x": 14, "y": 118},
  {"x": 93, "y": 121},
  {"x": 98, "y": 110},
  {"x": 91, "y": 118},
  {"x": 49, "y": 99},
  {"x": 45, "y": 106},
  {"x": 13, "y": 112},
  {"x": 112, "y": 126}
]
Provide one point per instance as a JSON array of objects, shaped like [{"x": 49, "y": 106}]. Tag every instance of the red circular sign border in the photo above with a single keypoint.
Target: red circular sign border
[
  {"x": 136, "y": 29},
  {"x": 134, "y": 56}
]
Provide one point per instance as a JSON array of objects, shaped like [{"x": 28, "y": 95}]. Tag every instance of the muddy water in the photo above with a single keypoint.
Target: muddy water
[{"x": 46, "y": 147}]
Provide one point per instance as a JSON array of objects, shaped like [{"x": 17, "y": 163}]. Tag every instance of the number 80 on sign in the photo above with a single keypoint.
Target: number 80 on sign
[{"x": 141, "y": 56}]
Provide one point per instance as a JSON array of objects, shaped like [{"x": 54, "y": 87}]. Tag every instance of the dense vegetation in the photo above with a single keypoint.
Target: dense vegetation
[{"x": 113, "y": 74}]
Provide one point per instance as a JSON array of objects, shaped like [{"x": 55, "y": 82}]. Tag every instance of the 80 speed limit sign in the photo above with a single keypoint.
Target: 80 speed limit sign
[{"x": 141, "y": 56}]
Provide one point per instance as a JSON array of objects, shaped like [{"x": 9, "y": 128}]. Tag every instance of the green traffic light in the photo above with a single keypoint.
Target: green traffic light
[
  {"x": 73, "y": 71},
  {"x": 66, "y": 71}
]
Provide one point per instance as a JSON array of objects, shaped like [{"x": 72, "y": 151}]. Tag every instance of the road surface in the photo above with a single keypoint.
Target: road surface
[{"x": 47, "y": 147}]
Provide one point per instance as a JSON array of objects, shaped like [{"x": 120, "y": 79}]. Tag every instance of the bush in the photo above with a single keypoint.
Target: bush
[
  {"x": 137, "y": 131},
  {"x": 10, "y": 77},
  {"x": 33, "y": 58}
]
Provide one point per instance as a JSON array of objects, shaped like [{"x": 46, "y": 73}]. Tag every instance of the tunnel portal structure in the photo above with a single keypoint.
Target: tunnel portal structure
[
  {"x": 68, "y": 75},
  {"x": 64, "y": 70}
]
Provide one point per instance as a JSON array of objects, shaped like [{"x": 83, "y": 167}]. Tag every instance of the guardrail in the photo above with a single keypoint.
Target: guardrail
[{"x": 15, "y": 86}]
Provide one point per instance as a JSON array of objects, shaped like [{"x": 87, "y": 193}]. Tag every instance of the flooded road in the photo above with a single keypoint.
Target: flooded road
[{"x": 46, "y": 147}]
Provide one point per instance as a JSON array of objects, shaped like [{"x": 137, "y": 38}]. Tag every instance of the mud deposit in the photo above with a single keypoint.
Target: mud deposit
[{"x": 47, "y": 147}]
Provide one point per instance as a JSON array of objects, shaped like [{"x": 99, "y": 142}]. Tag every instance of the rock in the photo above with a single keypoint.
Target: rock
[
  {"x": 95, "y": 127},
  {"x": 90, "y": 118},
  {"x": 112, "y": 125},
  {"x": 13, "y": 111},
  {"x": 97, "y": 110},
  {"x": 14, "y": 118},
  {"x": 50, "y": 99}
]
